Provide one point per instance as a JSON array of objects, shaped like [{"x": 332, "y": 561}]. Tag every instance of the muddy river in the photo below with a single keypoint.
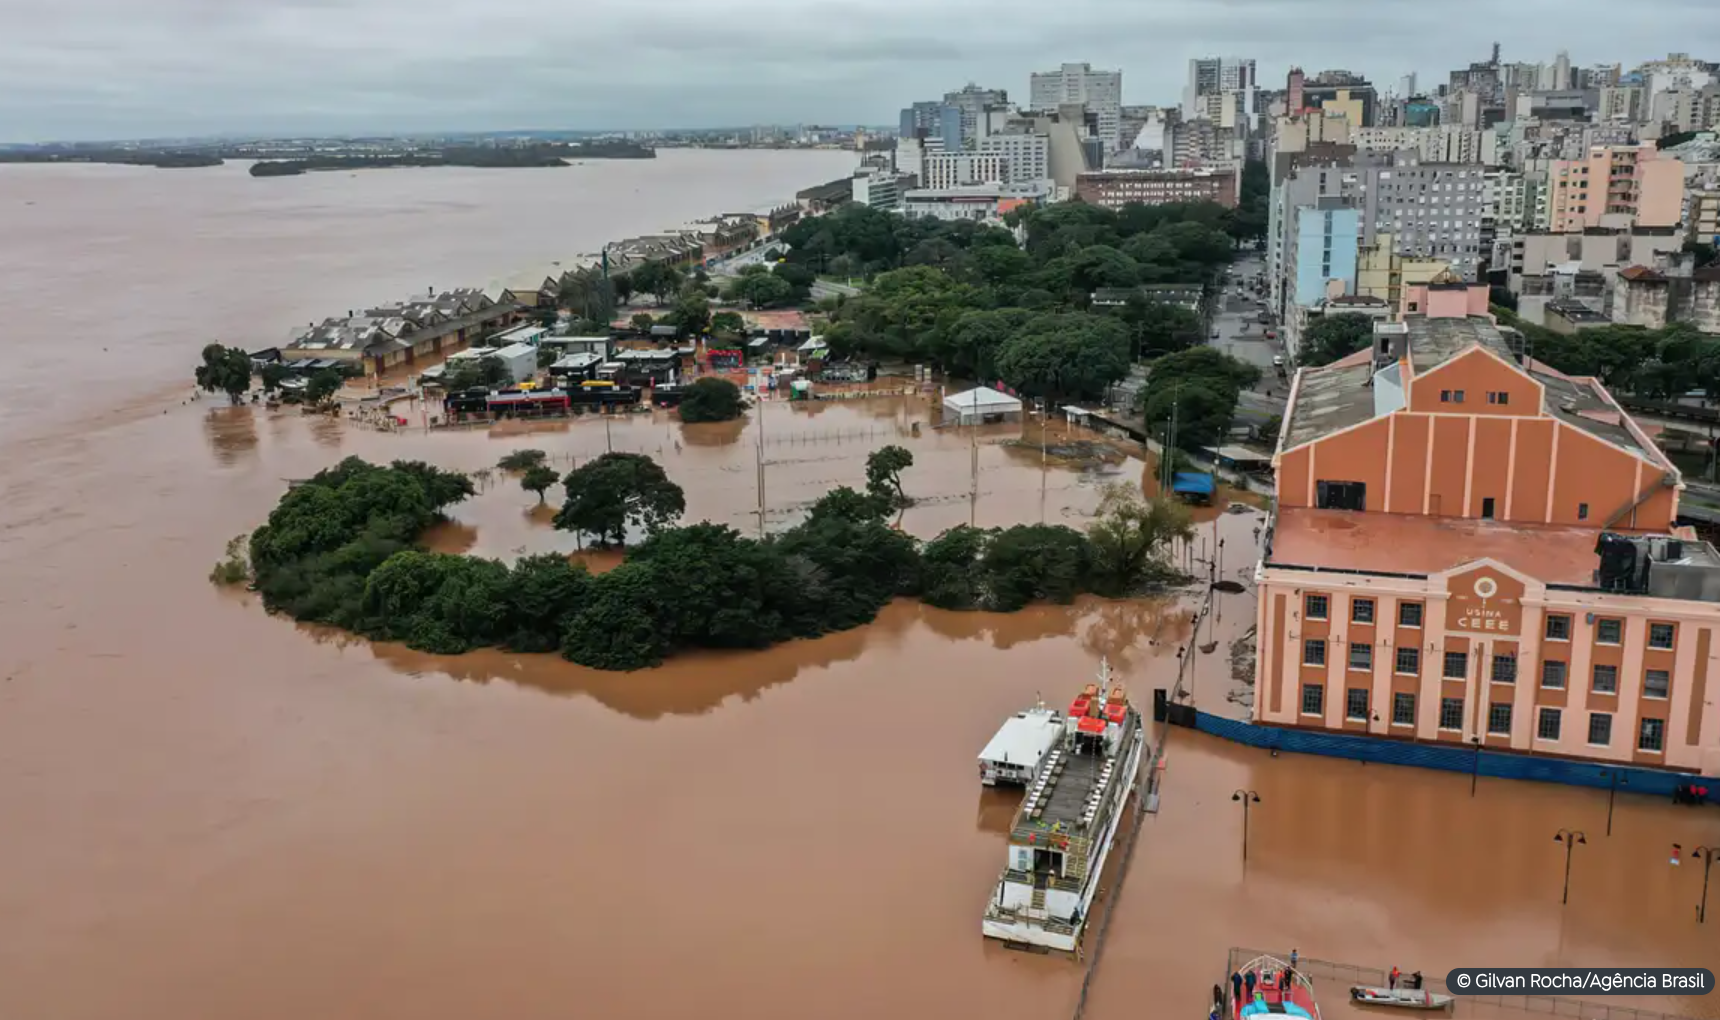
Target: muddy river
[{"x": 212, "y": 812}]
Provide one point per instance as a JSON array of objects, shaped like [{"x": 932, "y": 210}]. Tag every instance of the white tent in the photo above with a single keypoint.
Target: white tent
[{"x": 981, "y": 404}]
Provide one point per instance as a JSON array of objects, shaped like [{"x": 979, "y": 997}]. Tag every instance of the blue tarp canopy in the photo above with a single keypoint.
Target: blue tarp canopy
[{"x": 1192, "y": 483}]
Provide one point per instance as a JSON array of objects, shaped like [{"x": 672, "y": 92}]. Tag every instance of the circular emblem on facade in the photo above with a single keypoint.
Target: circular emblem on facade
[{"x": 1486, "y": 587}]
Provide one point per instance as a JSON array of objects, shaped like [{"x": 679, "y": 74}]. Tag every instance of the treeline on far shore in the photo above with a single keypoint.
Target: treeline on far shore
[
  {"x": 285, "y": 164},
  {"x": 342, "y": 549}
]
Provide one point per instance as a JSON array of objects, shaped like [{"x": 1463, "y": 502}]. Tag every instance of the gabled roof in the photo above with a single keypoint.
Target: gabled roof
[{"x": 982, "y": 396}]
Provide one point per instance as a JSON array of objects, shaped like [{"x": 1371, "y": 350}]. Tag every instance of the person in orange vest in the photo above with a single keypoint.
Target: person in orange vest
[{"x": 1394, "y": 977}]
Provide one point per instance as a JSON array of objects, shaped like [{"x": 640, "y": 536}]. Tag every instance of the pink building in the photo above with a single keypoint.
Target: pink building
[{"x": 1616, "y": 186}]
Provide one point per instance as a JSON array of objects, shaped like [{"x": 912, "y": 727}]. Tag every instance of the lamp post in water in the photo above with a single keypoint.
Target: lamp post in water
[
  {"x": 1245, "y": 798},
  {"x": 1612, "y": 793},
  {"x": 1571, "y": 839},
  {"x": 1705, "y": 854}
]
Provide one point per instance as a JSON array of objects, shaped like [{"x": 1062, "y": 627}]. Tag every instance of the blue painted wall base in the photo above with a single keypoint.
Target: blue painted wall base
[{"x": 1492, "y": 764}]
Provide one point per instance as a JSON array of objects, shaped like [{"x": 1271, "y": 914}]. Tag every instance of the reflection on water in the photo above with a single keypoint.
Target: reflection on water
[
  {"x": 327, "y": 430},
  {"x": 714, "y": 433},
  {"x": 231, "y": 433},
  {"x": 997, "y": 807}
]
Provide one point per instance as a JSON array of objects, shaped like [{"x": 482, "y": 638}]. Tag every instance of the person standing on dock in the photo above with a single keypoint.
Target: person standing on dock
[
  {"x": 1248, "y": 980},
  {"x": 1393, "y": 980},
  {"x": 1236, "y": 987}
]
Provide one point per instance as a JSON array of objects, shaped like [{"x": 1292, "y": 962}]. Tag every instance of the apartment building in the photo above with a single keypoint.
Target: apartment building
[
  {"x": 1115, "y": 188},
  {"x": 955, "y": 169},
  {"x": 880, "y": 188},
  {"x": 939, "y": 121},
  {"x": 1101, "y": 92},
  {"x": 1439, "y": 143},
  {"x": 1320, "y": 263},
  {"x": 1704, "y": 217},
  {"x": 1616, "y": 186},
  {"x": 974, "y": 105},
  {"x": 1210, "y": 76},
  {"x": 1470, "y": 548},
  {"x": 1026, "y": 155}
]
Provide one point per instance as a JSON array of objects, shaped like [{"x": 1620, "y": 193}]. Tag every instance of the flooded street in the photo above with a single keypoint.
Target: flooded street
[{"x": 214, "y": 813}]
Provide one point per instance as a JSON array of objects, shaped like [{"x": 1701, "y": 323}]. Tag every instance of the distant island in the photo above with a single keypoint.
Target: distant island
[
  {"x": 483, "y": 156},
  {"x": 172, "y": 160}
]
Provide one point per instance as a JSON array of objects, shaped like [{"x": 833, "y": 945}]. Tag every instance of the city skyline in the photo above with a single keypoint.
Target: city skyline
[{"x": 106, "y": 69}]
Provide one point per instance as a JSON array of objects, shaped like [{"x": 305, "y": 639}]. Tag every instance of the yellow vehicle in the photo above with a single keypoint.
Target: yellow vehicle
[
  {"x": 597, "y": 384},
  {"x": 528, "y": 386}
]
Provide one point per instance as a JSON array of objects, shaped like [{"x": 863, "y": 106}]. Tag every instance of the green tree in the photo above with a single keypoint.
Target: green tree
[
  {"x": 1203, "y": 407},
  {"x": 712, "y": 399},
  {"x": 728, "y": 325},
  {"x": 969, "y": 349},
  {"x": 1033, "y": 563},
  {"x": 520, "y": 460},
  {"x": 476, "y": 373},
  {"x": 1129, "y": 537},
  {"x": 760, "y": 290},
  {"x": 609, "y": 493},
  {"x": 436, "y": 602},
  {"x": 273, "y": 375},
  {"x": 590, "y": 295},
  {"x": 884, "y": 467},
  {"x": 950, "y": 577},
  {"x": 1331, "y": 337},
  {"x": 844, "y": 503},
  {"x": 617, "y": 625},
  {"x": 543, "y": 593},
  {"x": 538, "y": 479},
  {"x": 322, "y": 385},
  {"x": 1203, "y": 363},
  {"x": 225, "y": 370},
  {"x": 1157, "y": 327},
  {"x": 642, "y": 322},
  {"x": 1069, "y": 355},
  {"x": 692, "y": 313},
  {"x": 659, "y": 279}
]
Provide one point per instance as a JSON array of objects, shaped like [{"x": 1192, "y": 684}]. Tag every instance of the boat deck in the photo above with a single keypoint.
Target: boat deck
[
  {"x": 1068, "y": 784},
  {"x": 1269, "y": 1000}
]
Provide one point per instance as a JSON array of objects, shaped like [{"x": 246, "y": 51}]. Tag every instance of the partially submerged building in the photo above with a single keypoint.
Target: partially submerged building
[{"x": 1473, "y": 548}]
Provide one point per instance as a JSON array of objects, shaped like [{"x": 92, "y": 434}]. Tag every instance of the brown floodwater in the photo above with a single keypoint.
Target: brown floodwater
[{"x": 212, "y": 812}]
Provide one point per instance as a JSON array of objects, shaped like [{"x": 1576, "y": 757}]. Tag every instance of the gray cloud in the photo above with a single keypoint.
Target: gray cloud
[{"x": 127, "y": 68}]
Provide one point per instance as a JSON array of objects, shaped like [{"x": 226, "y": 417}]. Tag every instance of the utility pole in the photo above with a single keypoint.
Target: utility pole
[
  {"x": 608, "y": 437},
  {"x": 1042, "y": 461},
  {"x": 973, "y": 478},
  {"x": 761, "y": 471}
]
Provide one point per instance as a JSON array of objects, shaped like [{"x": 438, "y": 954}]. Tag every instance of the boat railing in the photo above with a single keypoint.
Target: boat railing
[{"x": 1338, "y": 978}]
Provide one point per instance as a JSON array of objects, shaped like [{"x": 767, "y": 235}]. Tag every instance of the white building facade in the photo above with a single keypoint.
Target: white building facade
[{"x": 1101, "y": 92}]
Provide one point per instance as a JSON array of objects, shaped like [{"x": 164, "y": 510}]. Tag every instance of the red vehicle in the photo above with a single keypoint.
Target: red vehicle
[{"x": 1271, "y": 334}]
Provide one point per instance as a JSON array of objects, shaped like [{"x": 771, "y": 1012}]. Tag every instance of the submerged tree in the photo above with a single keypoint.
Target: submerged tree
[
  {"x": 712, "y": 399},
  {"x": 884, "y": 469},
  {"x": 538, "y": 478},
  {"x": 616, "y": 490},
  {"x": 225, "y": 370},
  {"x": 1130, "y": 534},
  {"x": 521, "y": 460}
]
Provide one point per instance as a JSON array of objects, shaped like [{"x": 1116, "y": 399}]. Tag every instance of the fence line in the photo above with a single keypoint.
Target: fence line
[{"x": 1348, "y": 975}]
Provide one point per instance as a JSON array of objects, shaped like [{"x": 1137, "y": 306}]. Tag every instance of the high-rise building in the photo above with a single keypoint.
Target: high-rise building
[
  {"x": 1101, "y": 92},
  {"x": 1231, "y": 77},
  {"x": 972, "y": 102},
  {"x": 1616, "y": 186},
  {"x": 1341, "y": 92},
  {"x": 1295, "y": 98},
  {"x": 941, "y": 121}
]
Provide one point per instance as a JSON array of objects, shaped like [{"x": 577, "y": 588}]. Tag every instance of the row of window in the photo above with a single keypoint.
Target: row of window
[
  {"x": 1608, "y": 631},
  {"x": 1456, "y": 396},
  {"x": 1656, "y": 683},
  {"x": 1549, "y": 721}
]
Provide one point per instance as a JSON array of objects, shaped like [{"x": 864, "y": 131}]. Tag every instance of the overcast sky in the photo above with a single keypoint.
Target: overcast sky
[{"x": 93, "y": 69}]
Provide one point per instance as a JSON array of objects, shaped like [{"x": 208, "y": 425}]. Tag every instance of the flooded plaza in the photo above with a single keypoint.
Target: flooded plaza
[{"x": 214, "y": 812}]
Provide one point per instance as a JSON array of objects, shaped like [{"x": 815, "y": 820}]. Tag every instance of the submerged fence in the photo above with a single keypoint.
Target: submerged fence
[
  {"x": 1468, "y": 760},
  {"x": 1333, "y": 981}
]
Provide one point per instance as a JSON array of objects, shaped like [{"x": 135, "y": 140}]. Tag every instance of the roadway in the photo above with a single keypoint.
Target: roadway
[{"x": 1237, "y": 331}]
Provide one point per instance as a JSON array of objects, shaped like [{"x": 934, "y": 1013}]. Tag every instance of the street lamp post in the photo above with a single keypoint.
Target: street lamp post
[
  {"x": 1705, "y": 854},
  {"x": 1245, "y": 798},
  {"x": 1475, "y": 773},
  {"x": 1571, "y": 839},
  {"x": 1612, "y": 794}
]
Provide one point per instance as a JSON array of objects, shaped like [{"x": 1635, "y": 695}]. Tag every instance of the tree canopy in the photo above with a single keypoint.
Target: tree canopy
[
  {"x": 711, "y": 399},
  {"x": 1331, "y": 337},
  {"x": 476, "y": 373},
  {"x": 224, "y": 370},
  {"x": 539, "y": 478},
  {"x": 884, "y": 467},
  {"x": 1201, "y": 387},
  {"x": 608, "y": 494},
  {"x": 519, "y": 460}
]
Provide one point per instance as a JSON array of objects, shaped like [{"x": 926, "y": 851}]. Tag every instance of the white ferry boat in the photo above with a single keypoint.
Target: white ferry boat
[
  {"x": 1068, "y": 820},
  {"x": 1014, "y": 755}
]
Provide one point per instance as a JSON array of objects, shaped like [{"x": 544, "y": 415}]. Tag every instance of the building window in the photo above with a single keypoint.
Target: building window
[
  {"x": 1456, "y": 665},
  {"x": 1605, "y": 679},
  {"x": 1361, "y": 610},
  {"x": 1558, "y": 628},
  {"x": 1498, "y": 397},
  {"x": 1361, "y": 657},
  {"x": 1499, "y": 718},
  {"x": 1403, "y": 709},
  {"x": 1314, "y": 652},
  {"x": 1451, "y": 396},
  {"x": 1660, "y": 635},
  {"x": 1408, "y": 661},
  {"x": 1600, "y": 728},
  {"x": 1553, "y": 674},
  {"x": 1451, "y": 714},
  {"x": 1356, "y": 703},
  {"x": 1651, "y": 735},
  {"x": 1547, "y": 726},
  {"x": 1409, "y": 614},
  {"x": 1504, "y": 669},
  {"x": 1656, "y": 683},
  {"x": 1582, "y": 511},
  {"x": 1609, "y": 632},
  {"x": 1314, "y": 607},
  {"x": 1313, "y": 699}
]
